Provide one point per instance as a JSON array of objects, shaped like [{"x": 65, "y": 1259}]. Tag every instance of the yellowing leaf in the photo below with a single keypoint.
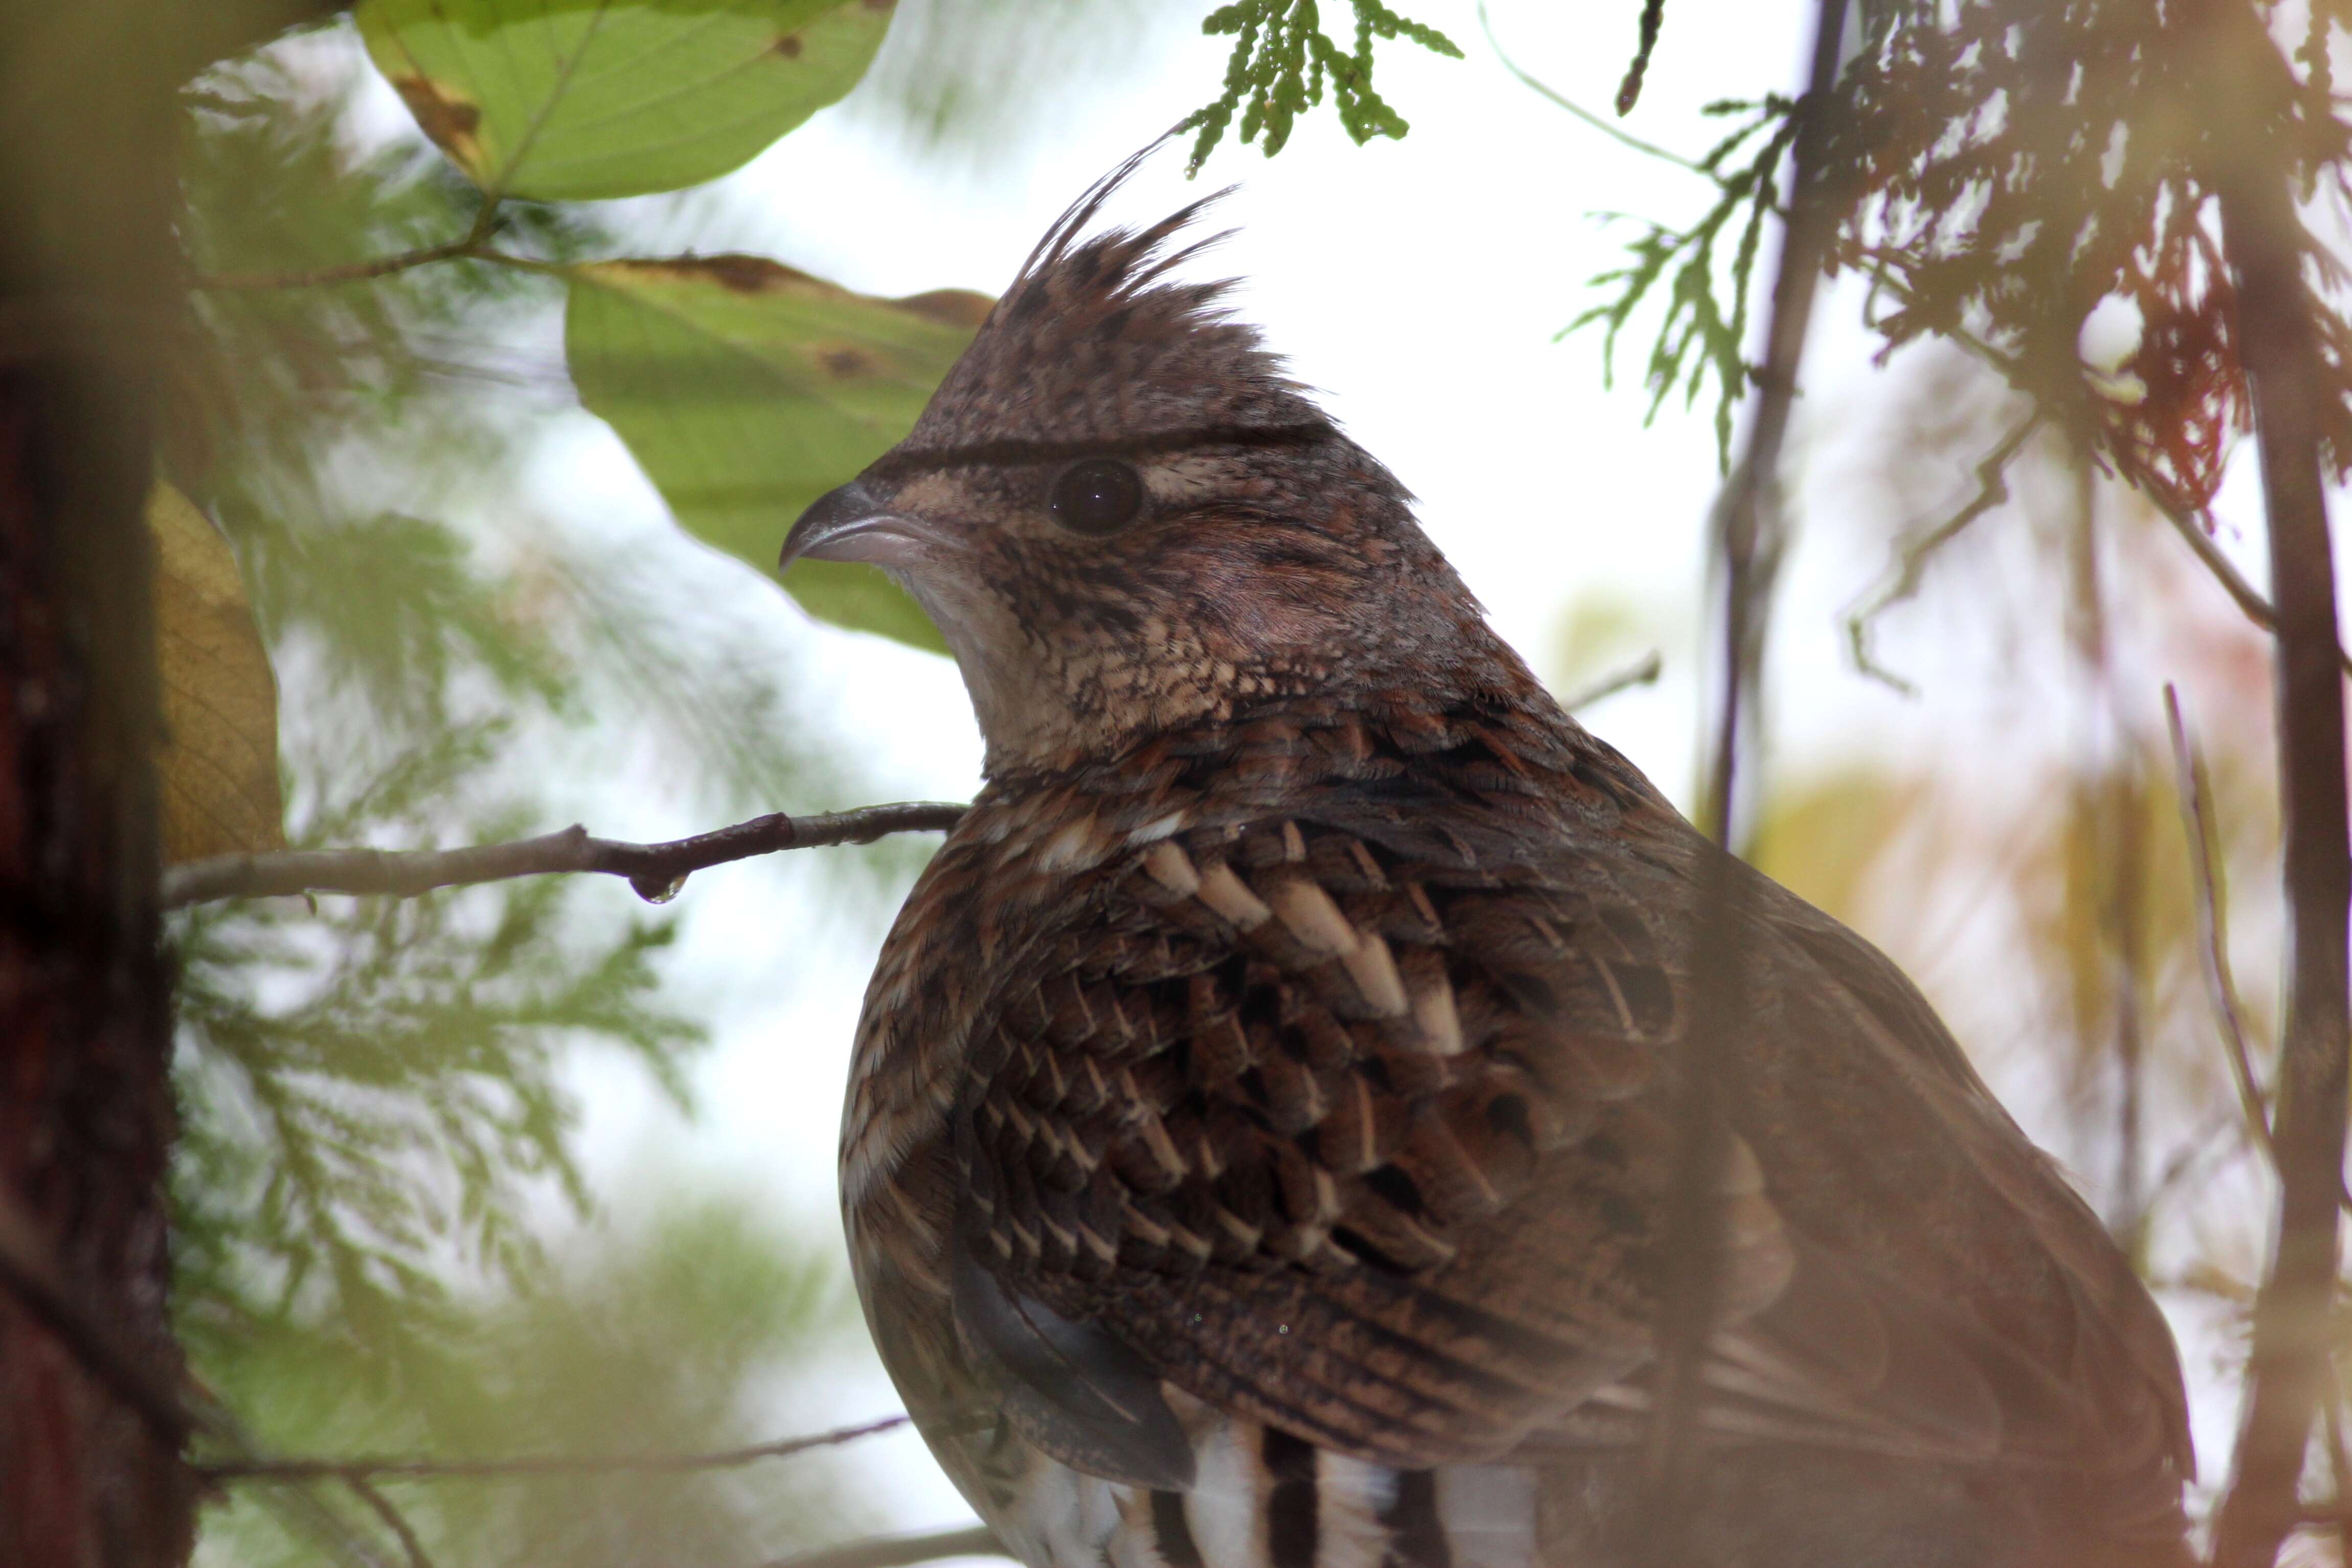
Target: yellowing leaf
[
  {"x": 746, "y": 389},
  {"x": 573, "y": 99},
  {"x": 219, "y": 762}
]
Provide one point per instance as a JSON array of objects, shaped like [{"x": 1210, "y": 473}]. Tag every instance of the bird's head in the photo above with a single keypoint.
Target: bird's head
[{"x": 1124, "y": 517}]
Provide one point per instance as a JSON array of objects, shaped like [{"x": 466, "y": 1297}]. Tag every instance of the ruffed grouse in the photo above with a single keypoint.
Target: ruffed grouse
[{"x": 1262, "y": 1118}]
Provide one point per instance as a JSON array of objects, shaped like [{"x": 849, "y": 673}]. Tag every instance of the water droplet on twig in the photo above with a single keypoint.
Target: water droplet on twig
[{"x": 659, "y": 891}]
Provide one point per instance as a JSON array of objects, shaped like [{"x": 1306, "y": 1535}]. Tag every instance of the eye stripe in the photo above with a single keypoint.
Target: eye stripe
[{"x": 903, "y": 464}]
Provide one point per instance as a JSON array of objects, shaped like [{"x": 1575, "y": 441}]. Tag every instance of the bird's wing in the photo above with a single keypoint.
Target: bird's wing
[{"x": 1356, "y": 1120}]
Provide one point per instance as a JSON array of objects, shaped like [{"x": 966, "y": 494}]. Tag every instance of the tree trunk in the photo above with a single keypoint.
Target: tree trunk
[
  {"x": 90, "y": 1472},
  {"x": 86, "y": 269},
  {"x": 2265, "y": 244}
]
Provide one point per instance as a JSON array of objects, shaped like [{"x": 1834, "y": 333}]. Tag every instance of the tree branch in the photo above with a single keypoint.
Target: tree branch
[
  {"x": 1642, "y": 671},
  {"x": 2264, "y": 242},
  {"x": 470, "y": 247},
  {"x": 1750, "y": 528},
  {"x": 474, "y": 247},
  {"x": 2244, "y": 594},
  {"x": 1911, "y": 562},
  {"x": 898, "y": 1551},
  {"x": 393, "y": 1521},
  {"x": 418, "y": 1469},
  {"x": 655, "y": 870}
]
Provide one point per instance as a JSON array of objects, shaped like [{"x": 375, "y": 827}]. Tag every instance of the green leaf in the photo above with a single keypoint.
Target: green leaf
[
  {"x": 746, "y": 389},
  {"x": 219, "y": 766},
  {"x": 574, "y": 99}
]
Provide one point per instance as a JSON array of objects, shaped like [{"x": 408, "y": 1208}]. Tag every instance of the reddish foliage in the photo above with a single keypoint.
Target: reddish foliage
[{"x": 2014, "y": 162}]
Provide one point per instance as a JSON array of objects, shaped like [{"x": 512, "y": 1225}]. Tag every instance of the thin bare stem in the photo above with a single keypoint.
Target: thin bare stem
[
  {"x": 1910, "y": 565},
  {"x": 1642, "y": 671},
  {"x": 1595, "y": 121},
  {"x": 898, "y": 1551},
  {"x": 2244, "y": 594},
  {"x": 475, "y": 247},
  {"x": 393, "y": 1521},
  {"x": 655, "y": 870},
  {"x": 1748, "y": 529},
  {"x": 378, "y": 1468},
  {"x": 348, "y": 272},
  {"x": 2202, "y": 1145},
  {"x": 2212, "y": 928},
  {"x": 2189, "y": 525}
]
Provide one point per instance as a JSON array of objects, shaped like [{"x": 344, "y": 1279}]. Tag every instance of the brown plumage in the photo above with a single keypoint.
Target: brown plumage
[{"x": 1261, "y": 1119}]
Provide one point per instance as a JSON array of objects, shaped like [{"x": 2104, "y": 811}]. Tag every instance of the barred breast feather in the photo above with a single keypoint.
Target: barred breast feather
[{"x": 1256, "y": 1155}]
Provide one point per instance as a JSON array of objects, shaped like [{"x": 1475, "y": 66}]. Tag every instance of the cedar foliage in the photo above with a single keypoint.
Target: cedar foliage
[
  {"x": 1282, "y": 62},
  {"x": 378, "y": 1121},
  {"x": 2001, "y": 168}
]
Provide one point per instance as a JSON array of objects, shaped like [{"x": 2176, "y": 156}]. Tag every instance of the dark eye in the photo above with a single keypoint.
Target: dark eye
[{"x": 1096, "y": 496}]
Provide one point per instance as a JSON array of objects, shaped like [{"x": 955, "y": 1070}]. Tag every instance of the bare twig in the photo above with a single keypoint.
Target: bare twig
[
  {"x": 472, "y": 249},
  {"x": 2213, "y": 917},
  {"x": 1642, "y": 671},
  {"x": 1629, "y": 92},
  {"x": 29, "y": 1273},
  {"x": 1595, "y": 121},
  {"x": 393, "y": 1521},
  {"x": 378, "y": 1468},
  {"x": 2244, "y": 594},
  {"x": 2189, "y": 525},
  {"x": 1911, "y": 562},
  {"x": 2204, "y": 1145},
  {"x": 655, "y": 870},
  {"x": 2265, "y": 245},
  {"x": 1748, "y": 529},
  {"x": 469, "y": 247},
  {"x": 898, "y": 1551}
]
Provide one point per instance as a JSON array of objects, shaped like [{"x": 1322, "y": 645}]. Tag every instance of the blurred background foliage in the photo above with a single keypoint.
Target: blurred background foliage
[
  {"x": 380, "y": 1113},
  {"x": 666, "y": 1332},
  {"x": 385, "y": 1242}
]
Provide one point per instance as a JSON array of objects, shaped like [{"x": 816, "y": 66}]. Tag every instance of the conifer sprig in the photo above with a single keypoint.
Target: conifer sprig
[
  {"x": 1703, "y": 330},
  {"x": 1282, "y": 62}
]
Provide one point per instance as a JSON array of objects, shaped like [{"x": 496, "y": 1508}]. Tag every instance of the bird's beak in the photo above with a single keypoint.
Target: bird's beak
[{"x": 853, "y": 525}]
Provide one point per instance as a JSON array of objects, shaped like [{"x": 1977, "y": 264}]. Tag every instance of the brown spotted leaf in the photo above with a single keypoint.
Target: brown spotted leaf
[
  {"x": 218, "y": 770},
  {"x": 746, "y": 389},
  {"x": 573, "y": 100}
]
